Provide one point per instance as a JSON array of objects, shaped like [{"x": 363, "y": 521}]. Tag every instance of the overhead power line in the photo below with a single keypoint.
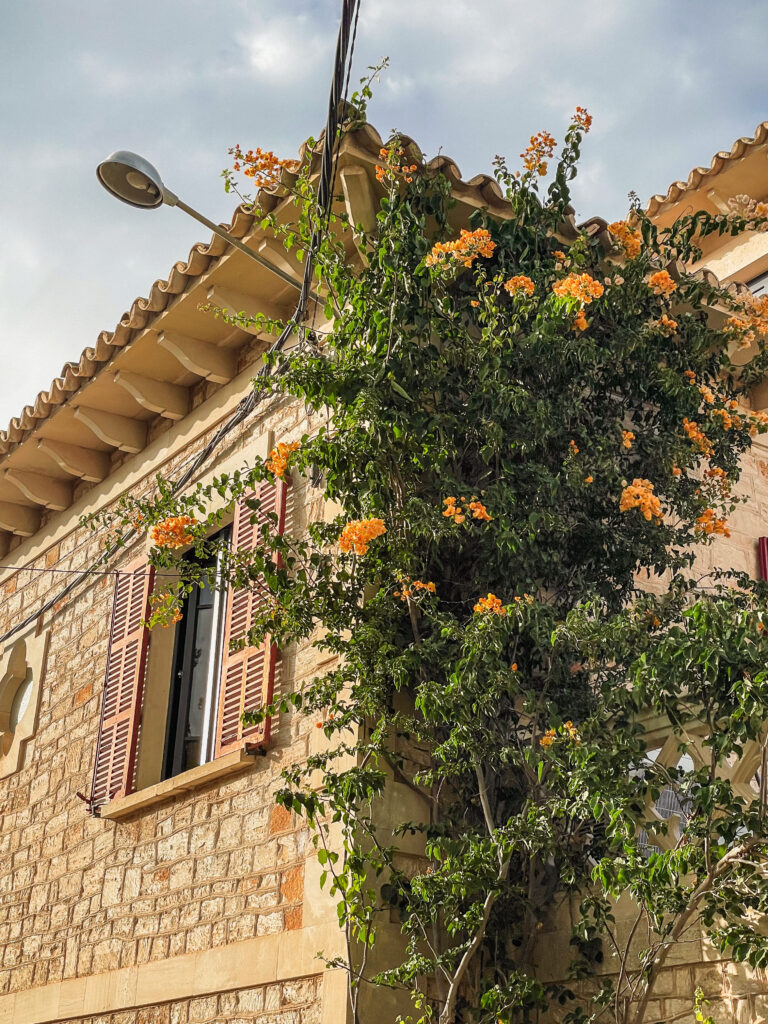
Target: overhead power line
[{"x": 336, "y": 111}]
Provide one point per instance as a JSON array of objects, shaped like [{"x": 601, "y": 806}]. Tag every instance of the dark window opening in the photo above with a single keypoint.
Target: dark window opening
[{"x": 194, "y": 695}]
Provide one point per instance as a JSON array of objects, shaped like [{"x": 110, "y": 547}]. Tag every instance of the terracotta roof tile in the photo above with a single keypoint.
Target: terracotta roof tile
[{"x": 718, "y": 162}]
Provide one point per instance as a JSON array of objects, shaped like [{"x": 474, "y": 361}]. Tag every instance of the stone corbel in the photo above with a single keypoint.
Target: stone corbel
[
  {"x": 169, "y": 400},
  {"x": 43, "y": 490},
  {"x": 85, "y": 463},
  {"x": 121, "y": 432},
  {"x": 19, "y": 519},
  {"x": 200, "y": 357}
]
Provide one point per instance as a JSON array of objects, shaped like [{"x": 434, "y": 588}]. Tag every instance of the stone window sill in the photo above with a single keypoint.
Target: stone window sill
[{"x": 229, "y": 764}]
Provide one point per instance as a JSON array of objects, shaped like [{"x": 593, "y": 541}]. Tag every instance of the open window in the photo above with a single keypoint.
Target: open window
[
  {"x": 173, "y": 700},
  {"x": 194, "y": 691}
]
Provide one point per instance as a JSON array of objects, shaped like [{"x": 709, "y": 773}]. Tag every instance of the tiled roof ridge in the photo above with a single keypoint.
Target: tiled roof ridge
[{"x": 716, "y": 165}]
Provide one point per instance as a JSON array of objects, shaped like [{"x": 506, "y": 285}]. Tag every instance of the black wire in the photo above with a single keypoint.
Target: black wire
[{"x": 336, "y": 112}]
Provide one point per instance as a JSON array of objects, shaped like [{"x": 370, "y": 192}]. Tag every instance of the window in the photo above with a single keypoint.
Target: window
[
  {"x": 191, "y": 723},
  {"x": 759, "y": 284},
  {"x": 193, "y": 714}
]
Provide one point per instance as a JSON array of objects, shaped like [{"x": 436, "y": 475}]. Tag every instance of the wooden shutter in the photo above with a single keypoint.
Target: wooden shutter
[
  {"x": 113, "y": 774},
  {"x": 762, "y": 556},
  {"x": 247, "y": 675}
]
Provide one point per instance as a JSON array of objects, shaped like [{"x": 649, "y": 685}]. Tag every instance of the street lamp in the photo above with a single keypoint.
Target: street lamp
[{"x": 134, "y": 180}]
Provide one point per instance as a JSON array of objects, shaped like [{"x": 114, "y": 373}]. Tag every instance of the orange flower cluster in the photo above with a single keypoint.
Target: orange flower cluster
[
  {"x": 708, "y": 524},
  {"x": 164, "y": 599},
  {"x": 707, "y": 394},
  {"x": 627, "y": 437},
  {"x": 580, "y": 321},
  {"x": 690, "y": 375},
  {"x": 573, "y": 448},
  {"x": 567, "y": 731},
  {"x": 589, "y": 479},
  {"x": 720, "y": 479},
  {"x": 728, "y": 421},
  {"x": 583, "y": 119},
  {"x": 173, "y": 532},
  {"x": 697, "y": 437},
  {"x": 490, "y": 605},
  {"x": 392, "y": 169},
  {"x": 410, "y": 588},
  {"x": 358, "y": 534},
  {"x": 277, "y": 461},
  {"x": 458, "y": 513},
  {"x": 464, "y": 250},
  {"x": 579, "y": 286},
  {"x": 662, "y": 283},
  {"x": 751, "y": 321},
  {"x": 629, "y": 238},
  {"x": 538, "y": 152},
  {"x": 639, "y": 494},
  {"x": 666, "y": 325},
  {"x": 262, "y": 165},
  {"x": 519, "y": 283}
]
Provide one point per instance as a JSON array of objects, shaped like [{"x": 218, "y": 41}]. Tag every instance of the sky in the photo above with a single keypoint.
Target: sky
[{"x": 669, "y": 83}]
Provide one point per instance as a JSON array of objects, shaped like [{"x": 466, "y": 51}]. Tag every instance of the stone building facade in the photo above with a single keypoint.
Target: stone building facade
[{"x": 190, "y": 896}]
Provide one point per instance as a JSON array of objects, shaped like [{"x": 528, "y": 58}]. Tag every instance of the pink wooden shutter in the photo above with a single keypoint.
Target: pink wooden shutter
[
  {"x": 762, "y": 556},
  {"x": 247, "y": 675},
  {"x": 113, "y": 774}
]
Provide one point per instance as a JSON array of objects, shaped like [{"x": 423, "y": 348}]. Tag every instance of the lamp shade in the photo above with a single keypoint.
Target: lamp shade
[{"x": 131, "y": 178}]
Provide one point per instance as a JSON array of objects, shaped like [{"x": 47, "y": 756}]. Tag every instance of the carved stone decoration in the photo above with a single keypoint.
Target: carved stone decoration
[{"x": 21, "y": 670}]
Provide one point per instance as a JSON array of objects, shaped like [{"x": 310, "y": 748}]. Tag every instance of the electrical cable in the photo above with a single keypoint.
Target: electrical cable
[{"x": 327, "y": 176}]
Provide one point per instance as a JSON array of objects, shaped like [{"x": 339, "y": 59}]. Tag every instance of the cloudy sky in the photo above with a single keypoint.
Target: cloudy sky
[{"x": 669, "y": 82}]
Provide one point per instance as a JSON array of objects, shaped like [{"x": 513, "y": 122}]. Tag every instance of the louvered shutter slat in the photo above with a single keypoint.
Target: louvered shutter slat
[
  {"x": 247, "y": 675},
  {"x": 113, "y": 773}
]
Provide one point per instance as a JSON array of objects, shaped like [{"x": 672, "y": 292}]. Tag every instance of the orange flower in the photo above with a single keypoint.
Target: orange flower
[
  {"x": 752, "y": 319},
  {"x": 662, "y": 283},
  {"x": 629, "y": 238},
  {"x": 580, "y": 321},
  {"x": 579, "y": 286},
  {"x": 665, "y": 325},
  {"x": 589, "y": 479},
  {"x": 573, "y": 447},
  {"x": 582, "y": 119},
  {"x": 490, "y": 605},
  {"x": 639, "y": 494},
  {"x": 519, "y": 283},
  {"x": 540, "y": 149},
  {"x": 464, "y": 250},
  {"x": 479, "y": 511},
  {"x": 513, "y": 667},
  {"x": 173, "y": 532},
  {"x": 627, "y": 437},
  {"x": 262, "y": 165},
  {"x": 559, "y": 254},
  {"x": 708, "y": 524},
  {"x": 358, "y": 533},
  {"x": 690, "y": 375},
  {"x": 697, "y": 437},
  {"x": 277, "y": 461},
  {"x": 548, "y": 738},
  {"x": 719, "y": 479}
]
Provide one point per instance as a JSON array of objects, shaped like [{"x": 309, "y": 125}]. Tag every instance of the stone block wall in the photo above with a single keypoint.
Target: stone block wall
[
  {"x": 218, "y": 866},
  {"x": 297, "y": 1001}
]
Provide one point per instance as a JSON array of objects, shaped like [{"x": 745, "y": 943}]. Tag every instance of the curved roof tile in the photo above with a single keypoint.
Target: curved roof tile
[{"x": 718, "y": 162}]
